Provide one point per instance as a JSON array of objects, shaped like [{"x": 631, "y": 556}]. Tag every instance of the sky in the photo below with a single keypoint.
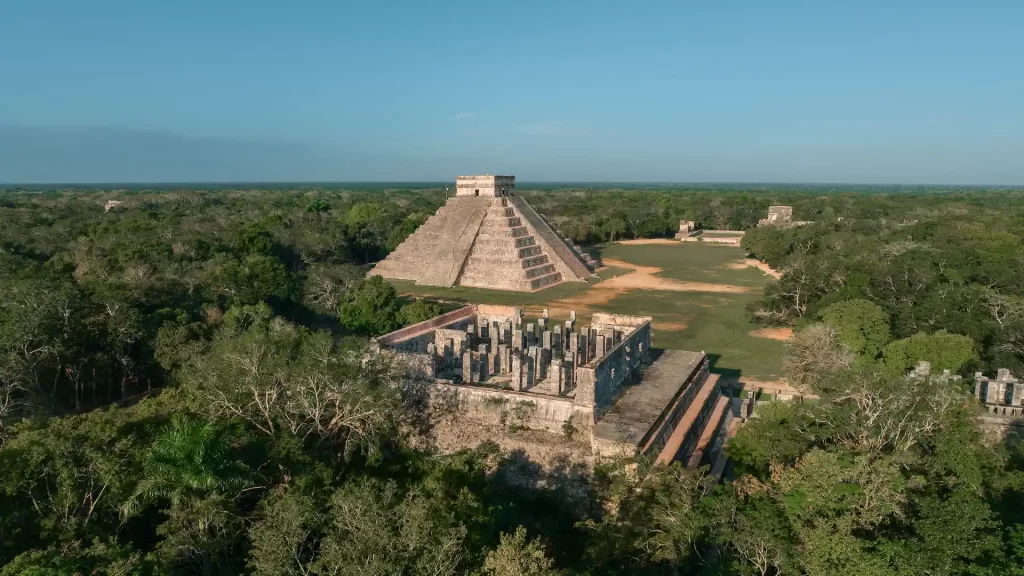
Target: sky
[{"x": 843, "y": 91}]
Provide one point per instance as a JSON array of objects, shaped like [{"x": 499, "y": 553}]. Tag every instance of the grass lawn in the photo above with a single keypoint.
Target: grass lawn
[
  {"x": 714, "y": 322},
  {"x": 692, "y": 261}
]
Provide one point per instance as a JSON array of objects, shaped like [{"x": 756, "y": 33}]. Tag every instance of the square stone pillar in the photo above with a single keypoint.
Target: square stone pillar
[
  {"x": 995, "y": 393},
  {"x": 467, "y": 367},
  {"x": 542, "y": 324},
  {"x": 599, "y": 346},
  {"x": 584, "y": 353},
  {"x": 483, "y": 367},
  {"x": 471, "y": 334},
  {"x": 506, "y": 333},
  {"x": 1017, "y": 393},
  {"x": 517, "y": 340},
  {"x": 484, "y": 332},
  {"x": 569, "y": 325},
  {"x": 556, "y": 340},
  {"x": 544, "y": 371},
  {"x": 979, "y": 384},
  {"x": 529, "y": 371},
  {"x": 449, "y": 354},
  {"x": 557, "y": 375},
  {"x": 517, "y": 371},
  {"x": 545, "y": 340},
  {"x": 572, "y": 348},
  {"x": 531, "y": 335}
]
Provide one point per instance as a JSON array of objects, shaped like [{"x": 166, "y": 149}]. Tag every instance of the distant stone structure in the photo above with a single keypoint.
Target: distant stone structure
[
  {"x": 1002, "y": 395},
  {"x": 487, "y": 237},
  {"x": 777, "y": 215},
  {"x": 781, "y": 216},
  {"x": 603, "y": 378},
  {"x": 686, "y": 228},
  {"x": 111, "y": 204}
]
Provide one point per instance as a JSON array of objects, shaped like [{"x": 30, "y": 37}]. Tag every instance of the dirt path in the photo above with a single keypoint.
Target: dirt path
[
  {"x": 773, "y": 333},
  {"x": 754, "y": 263},
  {"x": 642, "y": 241},
  {"x": 640, "y": 278}
]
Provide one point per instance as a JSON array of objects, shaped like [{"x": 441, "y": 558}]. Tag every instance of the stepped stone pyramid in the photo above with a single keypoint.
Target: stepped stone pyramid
[{"x": 486, "y": 237}]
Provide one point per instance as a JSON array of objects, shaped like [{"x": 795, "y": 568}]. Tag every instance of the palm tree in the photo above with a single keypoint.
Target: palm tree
[{"x": 188, "y": 461}]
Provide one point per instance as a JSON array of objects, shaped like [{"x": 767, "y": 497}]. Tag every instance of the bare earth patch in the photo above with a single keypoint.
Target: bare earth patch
[
  {"x": 644, "y": 278},
  {"x": 773, "y": 333},
  {"x": 669, "y": 326},
  {"x": 642, "y": 241}
]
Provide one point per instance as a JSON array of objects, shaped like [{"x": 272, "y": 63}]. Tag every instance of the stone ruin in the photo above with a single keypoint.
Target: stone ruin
[
  {"x": 686, "y": 228},
  {"x": 486, "y": 237},
  {"x": 781, "y": 216},
  {"x": 603, "y": 378},
  {"x": 777, "y": 215},
  {"x": 1000, "y": 396}
]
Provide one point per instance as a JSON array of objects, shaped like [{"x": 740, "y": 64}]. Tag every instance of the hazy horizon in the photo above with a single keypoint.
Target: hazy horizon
[{"x": 888, "y": 92}]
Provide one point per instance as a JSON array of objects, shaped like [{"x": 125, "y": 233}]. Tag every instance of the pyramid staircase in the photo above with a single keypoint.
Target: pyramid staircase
[{"x": 485, "y": 242}]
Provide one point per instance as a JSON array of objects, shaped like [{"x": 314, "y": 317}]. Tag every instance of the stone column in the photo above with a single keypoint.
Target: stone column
[
  {"x": 584, "y": 353},
  {"x": 979, "y": 383},
  {"x": 517, "y": 371},
  {"x": 531, "y": 335},
  {"x": 569, "y": 325},
  {"x": 467, "y": 367},
  {"x": 529, "y": 371},
  {"x": 485, "y": 361},
  {"x": 1017, "y": 394},
  {"x": 556, "y": 339},
  {"x": 517, "y": 339},
  {"x": 543, "y": 324},
  {"x": 599, "y": 346},
  {"x": 572, "y": 349},
  {"x": 471, "y": 334},
  {"x": 556, "y": 374},
  {"x": 449, "y": 354},
  {"x": 484, "y": 331},
  {"x": 506, "y": 333},
  {"x": 545, "y": 340}
]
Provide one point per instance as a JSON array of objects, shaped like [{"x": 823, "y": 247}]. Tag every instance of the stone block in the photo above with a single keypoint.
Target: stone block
[
  {"x": 517, "y": 340},
  {"x": 467, "y": 366},
  {"x": 545, "y": 340}
]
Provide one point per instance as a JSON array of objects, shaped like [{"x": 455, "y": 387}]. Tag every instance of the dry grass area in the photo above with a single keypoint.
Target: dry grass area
[
  {"x": 646, "y": 278},
  {"x": 773, "y": 333}
]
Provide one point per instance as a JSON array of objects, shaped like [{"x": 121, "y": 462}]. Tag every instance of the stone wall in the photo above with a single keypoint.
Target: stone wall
[
  {"x": 427, "y": 326},
  {"x": 544, "y": 412},
  {"x": 484, "y": 185},
  {"x": 598, "y": 382}
]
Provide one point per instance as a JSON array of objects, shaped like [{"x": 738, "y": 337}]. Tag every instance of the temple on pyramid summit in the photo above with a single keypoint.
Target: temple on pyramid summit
[{"x": 486, "y": 237}]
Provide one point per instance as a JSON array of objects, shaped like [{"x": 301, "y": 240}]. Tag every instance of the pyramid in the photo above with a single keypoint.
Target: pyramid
[{"x": 486, "y": 237}]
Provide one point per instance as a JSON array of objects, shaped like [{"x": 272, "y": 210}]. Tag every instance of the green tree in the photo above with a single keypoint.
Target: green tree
[
  {"x": 945, "y": 351},
  {"x": 188, "y": 461},
  {"x": 370, "y": 308},
  {"x": 419, "y": 311},
  {"x": 517, "y": 556},
  {"x": 862, "y": 326}
]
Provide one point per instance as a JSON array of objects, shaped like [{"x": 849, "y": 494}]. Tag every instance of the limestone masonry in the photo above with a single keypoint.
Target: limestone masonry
[
  {"x": 486, "y": 237},
  {"x": 603, "y": 378}
]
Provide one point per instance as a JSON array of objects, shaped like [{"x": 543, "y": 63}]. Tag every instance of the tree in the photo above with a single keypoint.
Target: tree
[
  {"x": 419, "y": 311},
  {"x": 945, "y": 351},
  {"x": 812, "y": 354},
  {"x": 861, "y": 325},
  {"x": 517, "y": 556},
  {"x": 370, "y": 308},
  {"x": 188, "y": 461}
]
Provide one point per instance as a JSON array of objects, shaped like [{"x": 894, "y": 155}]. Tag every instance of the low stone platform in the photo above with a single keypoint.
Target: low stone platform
[{"x": 649, "y": 408}]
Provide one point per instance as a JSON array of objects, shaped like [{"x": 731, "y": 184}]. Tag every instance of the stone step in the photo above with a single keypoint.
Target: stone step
[
  {"x": 530, "y": 251},
  {"x": 538, "y": 283},
  {"x": 532, "y": 261},
  {"x": 709, "y": 433},
  {"x": 538, "y": 271},
  {"x": 686, "y": 432}
]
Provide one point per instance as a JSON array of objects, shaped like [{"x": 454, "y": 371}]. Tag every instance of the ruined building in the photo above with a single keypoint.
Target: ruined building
[
  {"x": 486, "y": 237},
  {"x": 603, "y": 378},
  {"x": 781, "y": 216},
  {"x": 1002, "y": 395}
]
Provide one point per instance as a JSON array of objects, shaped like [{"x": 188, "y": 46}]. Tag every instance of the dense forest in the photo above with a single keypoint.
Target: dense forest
[{"x": 184, "y": 389}]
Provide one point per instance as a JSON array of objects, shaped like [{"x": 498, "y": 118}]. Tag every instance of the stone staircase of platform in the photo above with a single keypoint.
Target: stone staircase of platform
[
  {"x": 699, "y": 436},
  {"x": 506, "y": 255}
]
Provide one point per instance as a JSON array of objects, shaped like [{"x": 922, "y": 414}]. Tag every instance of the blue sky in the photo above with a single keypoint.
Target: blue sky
[{"x": 893, "y": 91}]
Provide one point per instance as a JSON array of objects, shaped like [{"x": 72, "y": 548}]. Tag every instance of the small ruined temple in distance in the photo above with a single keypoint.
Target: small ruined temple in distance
[{"x": 486, "y": 237}]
